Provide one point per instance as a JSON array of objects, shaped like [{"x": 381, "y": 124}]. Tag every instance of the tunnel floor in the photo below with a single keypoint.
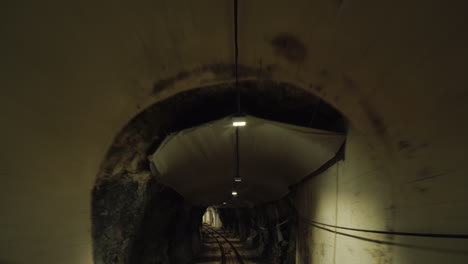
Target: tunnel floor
[{"x": 221, "y": 247}]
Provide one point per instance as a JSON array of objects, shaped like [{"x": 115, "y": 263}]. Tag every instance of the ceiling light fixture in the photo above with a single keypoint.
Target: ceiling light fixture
[
  {"x": 237, "y": 179},
  {"x": 234, "y": 193},
  {"x": 239, "y": 123}
]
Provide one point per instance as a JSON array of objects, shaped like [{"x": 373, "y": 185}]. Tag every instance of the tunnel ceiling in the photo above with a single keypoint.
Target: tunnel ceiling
[
  {"x": 201, "y": 162},
  {"x": 276, "y": 101}
]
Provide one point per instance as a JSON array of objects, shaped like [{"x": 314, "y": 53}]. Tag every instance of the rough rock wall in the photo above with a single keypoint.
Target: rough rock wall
[
  {"x": 269, "y": 229},
  {"x": 137, "y": 220},
  {"x": 118, "y": 205},
  {"x": 169, "y": 231}
]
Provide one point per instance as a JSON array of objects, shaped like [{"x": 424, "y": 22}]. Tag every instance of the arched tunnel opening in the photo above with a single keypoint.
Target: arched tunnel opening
[{"x": 141, "y": 217}]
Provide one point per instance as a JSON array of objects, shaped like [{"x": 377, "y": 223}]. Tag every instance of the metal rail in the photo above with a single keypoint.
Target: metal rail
[
  {"x": 238, "y": 256},
  {"x": 221, "y": 248}
]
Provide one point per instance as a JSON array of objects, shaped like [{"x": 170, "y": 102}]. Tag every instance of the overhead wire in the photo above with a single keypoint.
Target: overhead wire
[
  {"x": 236, "y": 57},
  {"x": 236, "y": 73}
]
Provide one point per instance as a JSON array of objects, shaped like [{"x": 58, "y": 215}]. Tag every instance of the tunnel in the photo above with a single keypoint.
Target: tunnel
[{"x": 234, "y": 131}]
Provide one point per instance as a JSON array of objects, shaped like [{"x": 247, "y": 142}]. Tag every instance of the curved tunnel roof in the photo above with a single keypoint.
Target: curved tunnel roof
[{"x": 200, "y": 162}]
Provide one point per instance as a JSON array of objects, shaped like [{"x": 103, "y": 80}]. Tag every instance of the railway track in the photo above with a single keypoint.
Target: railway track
[
  {"x": 221, "y": 248},
  {"x": 226, "y": 256}
]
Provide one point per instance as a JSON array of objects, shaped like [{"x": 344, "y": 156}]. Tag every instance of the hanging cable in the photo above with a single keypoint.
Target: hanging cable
[
  {"x": 236, "y": 72},
  {"x": 237, "y": 153},
  {"x": 236, "y": 56}
]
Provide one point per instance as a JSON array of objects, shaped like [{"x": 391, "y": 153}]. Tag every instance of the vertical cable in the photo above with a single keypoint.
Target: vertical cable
[
  {"x": 236, "y": 51},
  {"x": 237, "y": 153},
  {"x": 236, "y": 56}
]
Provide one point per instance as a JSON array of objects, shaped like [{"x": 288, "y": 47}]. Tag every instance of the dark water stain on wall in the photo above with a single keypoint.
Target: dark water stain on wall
[
  {"x": 376, "y": 120},
  {"x": 404, "y": 144},
  {"x": 289, "y": 47}
]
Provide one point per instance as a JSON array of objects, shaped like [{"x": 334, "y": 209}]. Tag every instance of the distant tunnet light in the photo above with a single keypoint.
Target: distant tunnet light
[
  {"x": 238, "y": 179},
  {"x": 234, "y": 193},
  {"x": 239, "y": 123}
]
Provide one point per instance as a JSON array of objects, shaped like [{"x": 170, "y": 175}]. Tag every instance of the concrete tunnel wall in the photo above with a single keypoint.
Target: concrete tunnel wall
[
  {"x": 74, "y": 73},
  {"x": 362, "y": 192}
]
